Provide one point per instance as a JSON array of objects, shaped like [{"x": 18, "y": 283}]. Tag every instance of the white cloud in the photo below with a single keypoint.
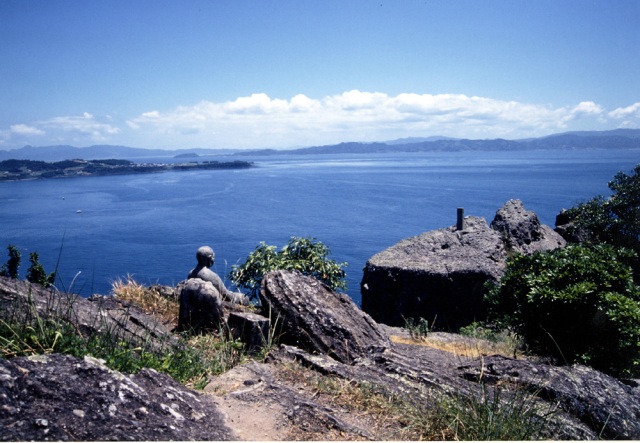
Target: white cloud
[
  {"x": 21, "y": 129},
  {"x": 84, "y": 125},
  {"x": 75, "y": 129},
  {"x": 258, "y": 120},
  {"x": 627, "y": 117},
  {"x": 587, "y": 108},
  {"x": 630, "y": 111}
]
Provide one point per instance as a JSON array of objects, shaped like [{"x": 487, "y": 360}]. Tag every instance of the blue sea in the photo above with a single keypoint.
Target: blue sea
[{"x": 96, "y": 230}]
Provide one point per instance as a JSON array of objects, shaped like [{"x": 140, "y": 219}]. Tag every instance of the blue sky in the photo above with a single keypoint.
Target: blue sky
[{"x": 253, "y": 74}]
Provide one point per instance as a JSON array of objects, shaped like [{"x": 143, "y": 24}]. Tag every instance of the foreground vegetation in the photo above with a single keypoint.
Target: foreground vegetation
[
  {"x": 193, "y": 360},
  {"x": 491, "y": 414},
  {"x": 581, "y": 304}
]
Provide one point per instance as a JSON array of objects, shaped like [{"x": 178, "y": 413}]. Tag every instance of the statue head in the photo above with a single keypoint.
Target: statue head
[{"x": 205, "y": 256}]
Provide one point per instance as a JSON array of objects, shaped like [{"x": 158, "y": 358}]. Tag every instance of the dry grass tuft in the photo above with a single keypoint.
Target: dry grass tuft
[
  {"x": 148, "y": 299},
  {"x": 385, "y": 415},
  {"x": 464, "y": 347}
]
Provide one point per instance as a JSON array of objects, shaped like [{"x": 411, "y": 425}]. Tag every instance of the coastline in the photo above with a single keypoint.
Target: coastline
[{"x": 23, "y": 170}]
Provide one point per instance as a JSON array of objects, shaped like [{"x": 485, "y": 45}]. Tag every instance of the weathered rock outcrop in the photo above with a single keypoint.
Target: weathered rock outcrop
[
  {"x": 250, "y": 328},
  {"x": 306, "y": 313},
  {"x": 57, "y": 397},
  {"x": 438, "y": 276},
  {"x": 522, "y": 231},
  {"x": 579, "y": 403},
  {"x": 441, "y": 275},
  {"x": 24, "y": 301}
]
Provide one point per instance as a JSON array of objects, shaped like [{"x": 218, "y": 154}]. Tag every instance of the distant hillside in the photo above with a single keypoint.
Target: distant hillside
[
  {"x": 615, "y": 139},
  {"x": 407, "y": 140},
  {"x": 65, "y": 152}
]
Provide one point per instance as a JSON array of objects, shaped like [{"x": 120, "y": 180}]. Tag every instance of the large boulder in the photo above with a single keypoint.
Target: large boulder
[
  {"x": 200, "y": 306},
  {"x": 58, "y": 397},
  {"x": 438, "y": 276},
  {"x": 522, "y": 231},
  {"x": 306, "y": 313},
  {"x": 441, "y": 275}
]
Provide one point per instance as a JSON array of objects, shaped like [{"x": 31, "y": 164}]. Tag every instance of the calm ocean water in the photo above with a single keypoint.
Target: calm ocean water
[{"x": 149, "y": 226}]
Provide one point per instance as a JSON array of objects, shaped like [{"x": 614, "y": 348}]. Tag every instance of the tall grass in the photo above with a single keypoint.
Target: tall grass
[
  {"x": 495, "y": 413},
  {"x": 24, "y": 331},
  {"x": 148, "y": 299},
  {"x": 492, "y": 413}
]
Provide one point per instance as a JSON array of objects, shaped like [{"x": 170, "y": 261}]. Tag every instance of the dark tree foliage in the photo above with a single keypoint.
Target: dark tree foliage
[
  {"x": 36, "y": 273},
  {"x": 578, "y": 304},
  {"x": 614, "y": 220},
  {"x": 10, "y": 269}
]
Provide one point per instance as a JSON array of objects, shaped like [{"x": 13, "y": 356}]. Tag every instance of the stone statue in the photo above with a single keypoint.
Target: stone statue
[{"x": 206, "y": 257}]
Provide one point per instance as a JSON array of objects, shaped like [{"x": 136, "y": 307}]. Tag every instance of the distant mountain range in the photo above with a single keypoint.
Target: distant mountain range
[
  {"x": 615, "y": 139},
  {"x": 66, "y": 152}
]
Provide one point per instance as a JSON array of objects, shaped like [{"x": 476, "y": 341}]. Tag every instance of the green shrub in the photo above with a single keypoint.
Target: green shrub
[
  {"x": 306, "y": 255},
  {"x": 37, "y": 274},
  {"x": 614, "y": 220},
  {"x": 10, "y": 269},
  {"x": 578, "y": 304},
  {"x": 25, "y": 331},
  {"x": 418, "y": 329}
]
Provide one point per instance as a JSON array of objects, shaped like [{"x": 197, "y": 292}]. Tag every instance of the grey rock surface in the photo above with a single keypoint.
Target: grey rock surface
[
  {"x": 257, "y": 389},
  {"x": 306, "y": 313},
  {"x": 24, "y": 301},
  {"x": 250, "y": 328},
  {"x": 200, "y": 306},
  {"x": 57, "y": 397},
  {"x": 438, "y": 276},
  {"x": 610, "y": 408},
  {"x": 522, "y": 231},
  {"x": 441, "y": 275},
  {"x": 580, "y": 403}
]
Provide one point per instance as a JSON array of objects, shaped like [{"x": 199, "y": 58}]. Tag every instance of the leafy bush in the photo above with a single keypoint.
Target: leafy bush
[
  {"x": 306, "y": 255},
  {"x": 578, "y": 304},
  {"x": 615, "y": 220}
]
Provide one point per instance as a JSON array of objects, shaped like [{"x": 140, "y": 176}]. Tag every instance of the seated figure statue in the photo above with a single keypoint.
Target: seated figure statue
[{"x": 206, "y": 257}]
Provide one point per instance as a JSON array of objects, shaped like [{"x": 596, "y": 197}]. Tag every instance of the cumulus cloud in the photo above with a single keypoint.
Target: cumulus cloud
[
  {"x": 627, "y": 117},
  {"x": 74, "y": 129},
  {"x": 22, "y": 129},
  {"x": 85, "y": 124},
  {"x": 259, "y": 120}
]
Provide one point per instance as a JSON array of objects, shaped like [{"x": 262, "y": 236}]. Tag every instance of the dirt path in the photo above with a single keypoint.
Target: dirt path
[{"x": 273, "y": 402}]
